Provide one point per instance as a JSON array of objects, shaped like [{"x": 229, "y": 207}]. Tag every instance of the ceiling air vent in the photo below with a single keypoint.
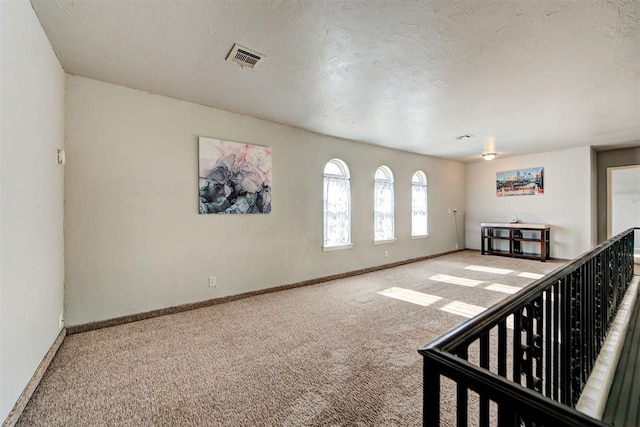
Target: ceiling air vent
[{"x": 245, "y": 57}]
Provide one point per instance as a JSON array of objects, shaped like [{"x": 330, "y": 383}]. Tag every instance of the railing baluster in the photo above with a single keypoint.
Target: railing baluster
[
  {"x": 604, "y": 298},
  {"x": 587, "y": 314},
  {"x": 462, "y": 395},
  {"x": 614, "y": 282},
  {"x": 606, "y": 283},
  {"x": 599, "y": 286},
  {"x": 517, "y": 347},
  {"x": 528, "y": 347},
  {"x": 502, "y": 348},
  {"x": 431, "y": 395},
  {"x": 505, "y": 413},
  {"x": 576, "y": 337},
  {"x": 537, "y": 349},
  {"x": 548, "y": 346},
  {"x": 594, "y": 342},
  {"x": 484, "y": 363},
  {"x": 556, "y": 339},
  {"x": 612, "y": 286},
  {"x": 565, "y": 365},
  {"x": 582, "y": 310}
]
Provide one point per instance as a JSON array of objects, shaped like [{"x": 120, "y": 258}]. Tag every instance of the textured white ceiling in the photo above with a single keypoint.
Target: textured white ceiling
[{"x": 522, "y": 76}]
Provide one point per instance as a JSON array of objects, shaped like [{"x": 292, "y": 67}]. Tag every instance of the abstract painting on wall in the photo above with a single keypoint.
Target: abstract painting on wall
[
  {"x": 520, "y": 182},
  {"x": 235, "y": 178}
]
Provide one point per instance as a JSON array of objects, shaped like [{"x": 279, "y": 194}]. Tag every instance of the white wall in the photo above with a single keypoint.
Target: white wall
[
  {"x": 625, "y": 212},
  {"x": 566, "y": 204},
  {"x": 31, "y": 206},
  {"x": 135, "y": 241},
  {"x": 625, "y": 200}
]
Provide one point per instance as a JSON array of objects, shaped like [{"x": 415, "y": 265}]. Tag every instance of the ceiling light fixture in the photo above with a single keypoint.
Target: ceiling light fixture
[{"x": 489, "y": 156}]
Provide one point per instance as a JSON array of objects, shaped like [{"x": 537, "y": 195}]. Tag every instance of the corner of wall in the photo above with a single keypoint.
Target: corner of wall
[{"x": 32, "y": 199}]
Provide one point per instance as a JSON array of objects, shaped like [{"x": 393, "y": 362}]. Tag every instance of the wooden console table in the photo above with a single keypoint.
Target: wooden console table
[{"x": 515, "y": 240}]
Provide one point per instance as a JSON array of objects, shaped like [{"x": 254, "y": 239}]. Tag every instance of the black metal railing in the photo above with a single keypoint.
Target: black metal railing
[{"x": 525, "y": 360}]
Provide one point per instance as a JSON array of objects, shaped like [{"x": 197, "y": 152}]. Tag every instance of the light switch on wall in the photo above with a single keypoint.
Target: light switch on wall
[{"x": 61, "y": 157}]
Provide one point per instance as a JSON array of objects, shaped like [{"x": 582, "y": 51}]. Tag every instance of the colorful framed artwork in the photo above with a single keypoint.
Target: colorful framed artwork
[
  {"x": 520, "y": 182},
  {"x": 234, "y": 178}
]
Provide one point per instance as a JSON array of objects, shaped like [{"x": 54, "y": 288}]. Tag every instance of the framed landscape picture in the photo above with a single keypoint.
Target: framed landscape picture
[
  {"x": 234, "y": 178},
  {"x": 520, "y": 182}
]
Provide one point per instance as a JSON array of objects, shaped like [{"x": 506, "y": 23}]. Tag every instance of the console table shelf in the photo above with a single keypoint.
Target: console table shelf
[{"x": 515, "y": 240}]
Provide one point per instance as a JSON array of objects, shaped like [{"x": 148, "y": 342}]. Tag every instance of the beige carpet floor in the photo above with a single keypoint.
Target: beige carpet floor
[{"x": 332, "y": 354}]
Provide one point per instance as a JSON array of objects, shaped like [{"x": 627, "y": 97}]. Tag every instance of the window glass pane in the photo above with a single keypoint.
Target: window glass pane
[
  {"x": 419, "y": 178},
  {"x": 337, "y": 204},
  {"x": 418, "y": 209},
  {"x": 381, "y": 175},
  {"x": 332, "y": 168},
  {"x": 383, "y": 211}
]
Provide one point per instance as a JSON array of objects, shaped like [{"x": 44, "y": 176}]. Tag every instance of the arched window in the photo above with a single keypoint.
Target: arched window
[
  {"x": 383, "y": 204},
  {"x": 419, "y": 204},
  {"x": 337, "y": 204}
]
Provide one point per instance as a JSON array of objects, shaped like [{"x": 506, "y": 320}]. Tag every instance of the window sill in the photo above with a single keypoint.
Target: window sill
[
  {"x": 383, "y": 242},
  {"x": 336, "y": 248},
  {"x": 422, "y": 236}
]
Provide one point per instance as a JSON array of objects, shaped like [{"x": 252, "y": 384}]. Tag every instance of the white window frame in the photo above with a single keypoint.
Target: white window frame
[
  {"x": 383, "y": 187},
  {"x": 335, "y": 174},
  {"x": 419, "y": 186}
]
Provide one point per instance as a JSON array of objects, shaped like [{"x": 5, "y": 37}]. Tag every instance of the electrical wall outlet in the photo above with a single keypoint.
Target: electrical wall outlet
[
  {"x": 457, "y": 246},
  {"x": 386, "y": 254},
  {"x": 61, "y": 321},
  {"x": 213, "y": 281}
]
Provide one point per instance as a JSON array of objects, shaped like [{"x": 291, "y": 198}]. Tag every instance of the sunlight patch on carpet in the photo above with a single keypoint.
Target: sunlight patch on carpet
[
  {"x": 469, "y": 310},
  {"x": 463, "y": 309},
  {"x": 488, "y": 269},
  {"x": 531, "y": 275},
  {"x": 410, "y": 296},
  {"x": 498, "y": 287},
  {"x": 462, "y": 281}
]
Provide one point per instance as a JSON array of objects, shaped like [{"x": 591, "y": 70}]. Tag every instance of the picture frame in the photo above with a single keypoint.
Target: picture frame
[
  {"x": 234, "y": 178},
  {"x": 520, "y": 182}
]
